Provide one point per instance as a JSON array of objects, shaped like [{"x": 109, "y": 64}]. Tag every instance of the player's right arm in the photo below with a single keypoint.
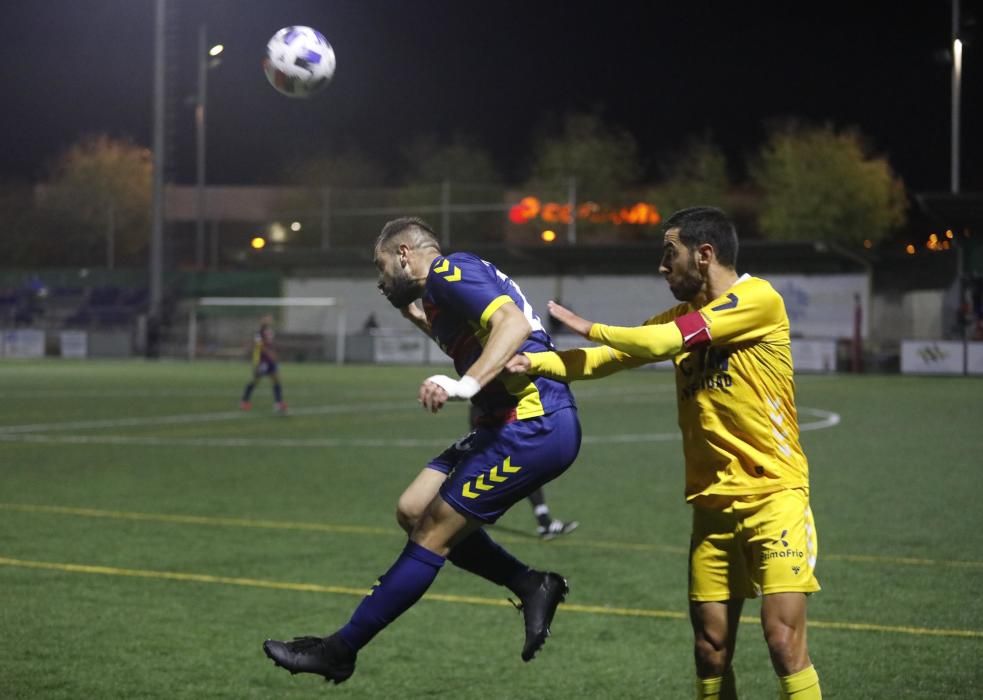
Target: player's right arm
[
  {"x": 660, "y": 338},
  {"x": 748, "y": 311},
  {"x": 575, "y": 364},
  {"x": 589, "y": 363}
]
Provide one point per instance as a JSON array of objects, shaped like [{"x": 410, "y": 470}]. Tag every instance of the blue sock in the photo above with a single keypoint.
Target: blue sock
[
  {"x": 277, "y": 393},
  {"x": 481, "y": 555},
  {"x": 399, "y": 588},
  {"x": 248, "y": 391}
]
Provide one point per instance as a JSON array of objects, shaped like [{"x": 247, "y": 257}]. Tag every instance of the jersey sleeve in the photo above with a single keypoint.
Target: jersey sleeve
[
  {"x": 603, "y": 360},
  {"x": 661, "y": 337},
  {"x": 657, "y": 341},
  {"x": 466, "y": 285},
  {"x": 581, "y": 363},
  {"x": 747, "y": 312}
]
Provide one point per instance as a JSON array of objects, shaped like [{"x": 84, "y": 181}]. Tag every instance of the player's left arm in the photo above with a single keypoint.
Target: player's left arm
[{"x": 414, "y": 314}]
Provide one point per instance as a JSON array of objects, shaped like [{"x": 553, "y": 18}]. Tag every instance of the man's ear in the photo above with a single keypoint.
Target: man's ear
[{"x": 705, "y": 254}]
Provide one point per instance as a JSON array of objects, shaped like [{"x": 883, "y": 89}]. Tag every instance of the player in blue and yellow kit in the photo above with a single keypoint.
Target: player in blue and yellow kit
[
  {"x": 746, "y": 475},
  {"x": 264, "y": 362},
  {"x": 528, "y": 434}
]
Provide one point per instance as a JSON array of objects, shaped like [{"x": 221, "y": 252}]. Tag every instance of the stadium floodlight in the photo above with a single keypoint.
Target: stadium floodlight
[{"x": 267, "y": 302}]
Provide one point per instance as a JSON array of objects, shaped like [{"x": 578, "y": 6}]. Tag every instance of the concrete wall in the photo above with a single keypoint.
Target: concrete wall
[{"x": 818, "y": 306}]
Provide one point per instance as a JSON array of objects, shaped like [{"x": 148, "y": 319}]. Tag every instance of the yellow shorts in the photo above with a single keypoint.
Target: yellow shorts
[{"x": 756, "y": 544}]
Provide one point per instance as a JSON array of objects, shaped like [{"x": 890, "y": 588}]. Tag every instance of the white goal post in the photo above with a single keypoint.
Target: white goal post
[{"x": 265, "y": 302}]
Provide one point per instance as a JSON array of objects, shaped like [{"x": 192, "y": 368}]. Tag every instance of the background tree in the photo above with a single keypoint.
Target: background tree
[
  {"x": 97, "y": 197},
  {"x": 820, "y": 184},
  {"x": 18, "y": 222},
  {"x": 350, "y": 169},
  {"x": 695, "y": 174},
  {"x": 471, "y": 178},
  {"x": 603, "y": 158},
  {"x": 324, "y": 183},
  {"x": 460, "y": 162}
]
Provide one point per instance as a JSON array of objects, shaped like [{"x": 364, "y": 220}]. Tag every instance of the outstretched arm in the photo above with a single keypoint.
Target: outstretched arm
[
  {"x": 571, "y": 365},
  {"x": 658, "y": 341}
]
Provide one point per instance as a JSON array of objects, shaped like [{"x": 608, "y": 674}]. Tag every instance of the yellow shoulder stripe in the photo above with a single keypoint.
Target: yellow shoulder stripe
[{"x": 496, "y": 303}]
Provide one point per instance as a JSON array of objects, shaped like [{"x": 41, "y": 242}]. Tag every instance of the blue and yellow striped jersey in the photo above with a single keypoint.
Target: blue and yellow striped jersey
[{"x": 462, "y": 292}]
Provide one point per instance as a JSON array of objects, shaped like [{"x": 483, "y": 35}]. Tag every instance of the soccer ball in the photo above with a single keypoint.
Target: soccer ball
[{"x": 299, "y": 61}]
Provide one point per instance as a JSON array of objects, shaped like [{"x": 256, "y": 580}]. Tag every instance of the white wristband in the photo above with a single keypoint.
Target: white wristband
[
  {"x": 468, "y": 386},
  {"x": 464, "y": 388}
]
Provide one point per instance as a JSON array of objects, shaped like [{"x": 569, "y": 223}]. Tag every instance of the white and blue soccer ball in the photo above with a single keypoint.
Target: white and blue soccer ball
[{"x": 299, "y": 61}]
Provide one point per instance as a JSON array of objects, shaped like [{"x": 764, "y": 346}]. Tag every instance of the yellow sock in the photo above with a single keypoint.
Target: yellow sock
[
  {"x": 717, "y": 688},
  {"x": 803, "y": 685}
]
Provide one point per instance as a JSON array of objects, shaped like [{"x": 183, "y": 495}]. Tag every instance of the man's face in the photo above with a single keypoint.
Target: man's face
[
  {"x": 395, "y": 282},
  {"x": 679, "y": 267}
]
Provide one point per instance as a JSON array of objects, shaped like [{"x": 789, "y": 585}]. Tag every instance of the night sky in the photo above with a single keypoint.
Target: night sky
[{"x": 495, "y": 71}]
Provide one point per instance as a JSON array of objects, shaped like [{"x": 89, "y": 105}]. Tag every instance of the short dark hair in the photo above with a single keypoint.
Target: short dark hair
[
  {"x": 418, "y": 231},
  {"x": 699, "y": 225}
]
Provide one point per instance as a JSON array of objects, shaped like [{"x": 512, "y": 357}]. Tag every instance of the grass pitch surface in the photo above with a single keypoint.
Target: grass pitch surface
[{"x": 152, "y": 535}]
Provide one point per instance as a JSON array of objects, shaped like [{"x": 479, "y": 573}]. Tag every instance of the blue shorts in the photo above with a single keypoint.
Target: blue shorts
[
  {"x": 265, "y": 367},
  {"x": 492, "y": 468}
]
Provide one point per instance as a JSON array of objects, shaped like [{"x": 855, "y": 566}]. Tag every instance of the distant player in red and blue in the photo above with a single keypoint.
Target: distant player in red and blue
[
  {"x": 527, "y": 435},
  {"x": 264, "y": 360}
]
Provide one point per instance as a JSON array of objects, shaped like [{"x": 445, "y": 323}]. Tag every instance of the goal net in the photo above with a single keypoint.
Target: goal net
[{"x": 306, "y": 328}]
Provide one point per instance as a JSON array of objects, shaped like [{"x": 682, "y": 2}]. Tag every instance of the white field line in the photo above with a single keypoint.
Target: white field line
[
  {"x": 45, "y": 394},
  {"x": 184, "y": 418},
  {"x": 38, "y": 433}
]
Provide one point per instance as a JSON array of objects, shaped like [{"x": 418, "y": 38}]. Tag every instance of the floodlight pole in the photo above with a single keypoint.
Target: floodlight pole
[
  {"x": 326, "y": 218},
  {"x": 957, "y": 69},
  {"x": 156, "y": 262},
  {"x": 200, "y": 147}
]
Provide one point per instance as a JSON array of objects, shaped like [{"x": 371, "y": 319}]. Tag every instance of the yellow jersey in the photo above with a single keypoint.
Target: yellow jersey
[
  {"x": 736, "y": 397},
  {"x": 734, "y": 384}
]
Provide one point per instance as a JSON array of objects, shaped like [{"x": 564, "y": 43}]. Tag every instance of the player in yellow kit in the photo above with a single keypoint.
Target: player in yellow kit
[{"x": 746, "y": 475}]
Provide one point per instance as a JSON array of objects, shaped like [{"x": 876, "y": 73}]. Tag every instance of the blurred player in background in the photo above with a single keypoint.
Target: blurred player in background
[
  {"x": 264, "y": 361},
  {"x": 746, "y": 475},
  {"x": 547, "y": 526},
  {"x": 528, "y": 435}
]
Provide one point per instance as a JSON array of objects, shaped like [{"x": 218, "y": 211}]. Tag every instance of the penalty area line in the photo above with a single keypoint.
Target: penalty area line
[{"x": 446, "y": 598}]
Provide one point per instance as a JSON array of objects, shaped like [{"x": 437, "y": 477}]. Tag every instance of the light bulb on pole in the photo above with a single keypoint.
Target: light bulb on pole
[{"x": 957, "y": 70}]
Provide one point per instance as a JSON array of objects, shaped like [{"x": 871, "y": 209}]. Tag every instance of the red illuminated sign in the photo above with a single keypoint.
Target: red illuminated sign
[{"x": 530, "y": 208}]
